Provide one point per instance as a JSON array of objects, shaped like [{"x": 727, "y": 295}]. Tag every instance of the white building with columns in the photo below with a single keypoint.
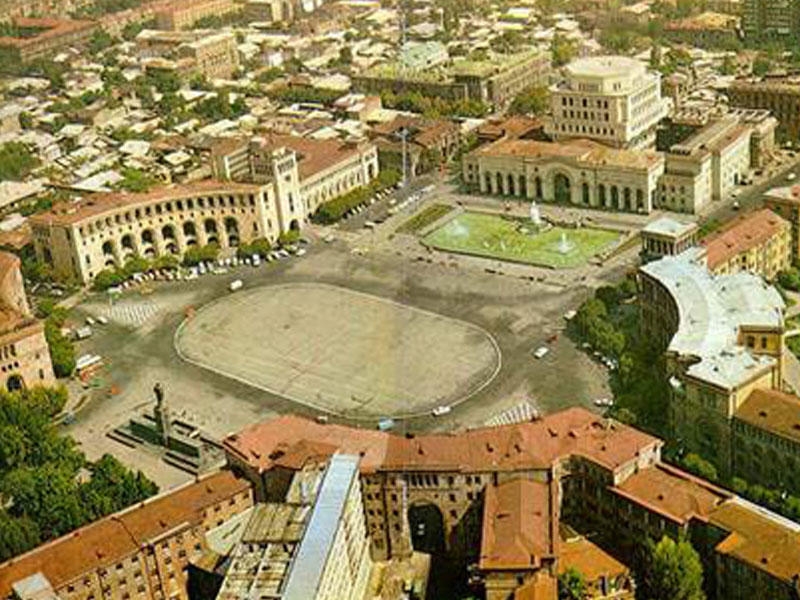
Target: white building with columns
[
  {"x": 579, "y": 172},
  {"x": 612, "y": 99}
]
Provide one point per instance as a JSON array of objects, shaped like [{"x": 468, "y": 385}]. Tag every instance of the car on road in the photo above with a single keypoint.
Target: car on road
[
  {"x": 791, "y": 177},
  {"x": 541, "y": 352},
  {"x": 440, "y": 411},
  {"x": 735, "y": 205},
  {"x": 236, "y": 284},
  {"x": 89, "y": 321},
  {"x": 102, "y": 320},
  {"x": 604, "y": 402}
]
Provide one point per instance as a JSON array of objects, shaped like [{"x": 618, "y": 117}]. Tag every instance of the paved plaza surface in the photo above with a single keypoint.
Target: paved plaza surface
[
  {"x": 341, "y": 351},
  {"x": 465, "y": 298}
]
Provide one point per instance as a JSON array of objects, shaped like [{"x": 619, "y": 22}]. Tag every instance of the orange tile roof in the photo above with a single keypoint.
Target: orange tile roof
[
  {"x": 672, "y": 493},
  {"x": 774, "y": 411},
  {"x": 758, "y": 540},
  {"x": 313, "y": 155},
  {"x": 428, "y": 131},
  {"x": 743, "y": 233},
  {"x": 93, "y": 205},
  {"x": 111, "y": 539},
  {"x": 513, "y": 127},
  {"x": 542, "y": 586},
  {"x": 574, "y": 431},
  {"x": 518, "y": 522},
  {"x": 589, "y": 559}
]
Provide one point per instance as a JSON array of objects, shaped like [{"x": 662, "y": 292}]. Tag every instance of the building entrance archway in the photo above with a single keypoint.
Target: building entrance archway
[
  {"x": 427, "y": 528},
  {"x": 562, "y": 188}
]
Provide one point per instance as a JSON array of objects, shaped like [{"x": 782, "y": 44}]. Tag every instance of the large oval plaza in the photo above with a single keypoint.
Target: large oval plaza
[{"x": 340, "y": 351}]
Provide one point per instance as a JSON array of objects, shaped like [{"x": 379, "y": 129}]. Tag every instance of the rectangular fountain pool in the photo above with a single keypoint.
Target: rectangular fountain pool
[{"x": 515, "y": 239}]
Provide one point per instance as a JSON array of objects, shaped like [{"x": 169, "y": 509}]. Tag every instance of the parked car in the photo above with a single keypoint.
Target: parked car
[
  {"x": 234, "y": 285},
  {"x": 541, "y": 352},
  {"x": 440, "y": 411}
]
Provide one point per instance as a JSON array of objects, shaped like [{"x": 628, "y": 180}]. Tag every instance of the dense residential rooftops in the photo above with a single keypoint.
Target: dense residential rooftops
[
  {"x": 581, "y": 150},
  {"x": 706, "y": 21},
  {"x": 108, "y": 540},
  {"x": 773, "y": 411},
  {"x": 745, "y": 232},
  {"x": 94, "y": 205},
  {"x": 711, "y": 311},
  {"x": 530, "y": 445}
]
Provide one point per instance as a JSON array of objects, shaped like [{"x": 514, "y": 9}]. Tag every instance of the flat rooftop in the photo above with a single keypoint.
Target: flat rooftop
[
  {"x": 669, "y": 227},
  {"x": 605, "y": 66},
  {"x": 711, "y": 311}
]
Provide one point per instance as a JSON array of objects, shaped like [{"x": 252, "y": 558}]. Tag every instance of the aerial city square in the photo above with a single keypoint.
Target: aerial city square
[{"x": 400, "y": 300}]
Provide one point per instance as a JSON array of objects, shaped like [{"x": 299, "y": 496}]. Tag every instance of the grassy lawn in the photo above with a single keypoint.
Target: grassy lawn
[
  {"x": 505, "y": 239},
  {"x": 422, "y": 219}
]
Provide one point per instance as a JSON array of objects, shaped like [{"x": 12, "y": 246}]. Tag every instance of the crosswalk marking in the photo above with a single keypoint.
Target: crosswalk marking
[
  {"x": 132, "y": 314},
  {"x": 519, "y": 413}
]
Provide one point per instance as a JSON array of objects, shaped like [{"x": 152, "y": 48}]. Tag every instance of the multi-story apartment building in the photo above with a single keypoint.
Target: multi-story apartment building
[
  {"x": 183, "y": 15},
  {"x": 40, "y": 37},
  {"x": 139, "y": 553},
  {"x": 104, "y": 230},
  {"x": 759, "y": 242},
  {"x": 207, "y": 53},
  {"x": 24, "y": 354},
  {"x": 769, "y": 18},
  {"x": 312, "y": 545},
  {"x": 785, "y": 201},
  {"x": 577, "y": 172},
  {"x": 723, "y": 337},
  {"x": 571, "y": 468},
  {"x": 766, "y": 434},
  {"x": 706, "y": 166},
  {"x": 780, "y": 95},
  {"x": 496, "y": 80},
  {"x": 309, "y": 172},
  {"x": 612, "y": 99}
]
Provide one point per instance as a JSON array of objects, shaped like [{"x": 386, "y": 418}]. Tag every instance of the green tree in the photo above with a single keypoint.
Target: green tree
[
  {"x": 571, "y": 585},
  {"x": 563, "y": 50},
  {"x": 694, "y": 463},
  {"x": 62, "y": 350},
  {"x": 17, "y": 535},
  {"x": 673, "y": 571},
  {"x": 197, "y": 254},
  {"x": 16, "y": 161},
  {"x": 761, "y": 66},
  {"x": 135, "y": 180},
  {"x": 25, "y": 120},
  {"x": 99, "y": 41},
  {"x": 112, "y": 486},
  {"x": 534, "y": 100}
]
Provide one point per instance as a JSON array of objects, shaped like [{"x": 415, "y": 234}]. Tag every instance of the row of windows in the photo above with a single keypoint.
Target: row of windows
[{"x": 167, "y": 207}]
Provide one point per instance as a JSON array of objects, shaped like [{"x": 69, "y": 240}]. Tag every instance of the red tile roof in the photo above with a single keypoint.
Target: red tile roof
[
  {"x": 518, "y": 521},
  {"x": 538, "y": 444},
  {"x": 107, "y": 541},
  {"x": 745, "y": 232},
  {"x": 93, "y": 205},
  {"x": 773, "y": 411},
  {"x": 672, "y": 493}
]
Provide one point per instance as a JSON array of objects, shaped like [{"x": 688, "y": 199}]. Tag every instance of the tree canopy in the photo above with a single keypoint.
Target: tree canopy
[
  {"x": 16, "y": 161},
  {"x": 43, "y": 495},
  {"x": 673, "y": 571}
]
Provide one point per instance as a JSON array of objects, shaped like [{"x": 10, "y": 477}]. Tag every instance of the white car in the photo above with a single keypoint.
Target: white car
[
  {"x": 89, "y": 321},
  {"x": 102, "y": 320},
  {"x": 604, "y": 402},
  {"x": 541, "y": 352},
  {"x": 791, "y": 177},
  {"x": 440, "y": 411}
]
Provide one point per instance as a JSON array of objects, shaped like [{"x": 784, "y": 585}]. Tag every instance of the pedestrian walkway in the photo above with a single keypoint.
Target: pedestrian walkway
[{"x": 132, "y": 313}]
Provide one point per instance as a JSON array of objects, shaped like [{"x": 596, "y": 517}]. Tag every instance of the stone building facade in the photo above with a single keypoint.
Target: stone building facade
[
  {"x": 141, "y": 553},
  {"x": 104, "y": 230},
  {"x": 577, "y": 172},
  {"x": 779, "y": 95},
  {"x": 24, "y": 354},
  {"x": 572, "y": 468},
  {"x": 611, "y": 99},
  {"x": 759, "y": 242}
]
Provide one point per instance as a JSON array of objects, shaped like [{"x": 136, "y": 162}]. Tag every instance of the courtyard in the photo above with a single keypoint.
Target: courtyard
[
  {"x": 340, "y": 351},
  {"x": 513, "y": 239}
]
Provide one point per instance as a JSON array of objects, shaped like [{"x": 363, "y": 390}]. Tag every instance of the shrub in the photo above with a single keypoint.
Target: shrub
[{"x": 199, "y": 254}]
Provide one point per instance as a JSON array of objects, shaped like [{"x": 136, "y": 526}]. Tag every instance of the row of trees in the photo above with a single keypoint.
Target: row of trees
[
  {"x": 333, "y": 210},
  {"x": 108, "y": 278},
  {"x": 433, "y": 107},
  {"x": 62, "y": 350},
  {"x": 43, "y": 495}
]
